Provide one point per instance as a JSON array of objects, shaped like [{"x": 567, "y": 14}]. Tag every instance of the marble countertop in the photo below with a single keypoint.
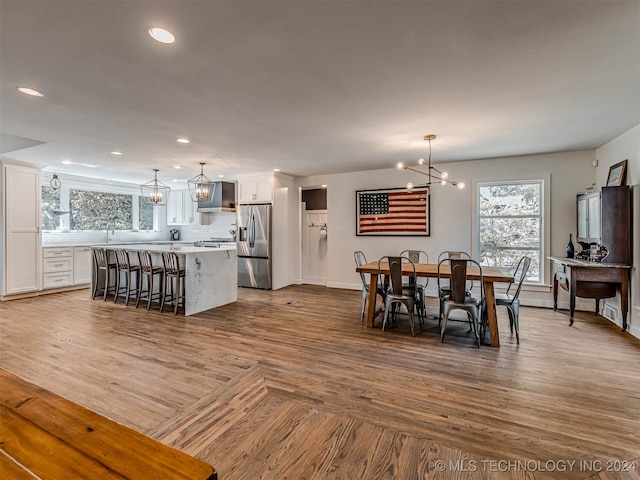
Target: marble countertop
[
  {"x": 159, "y": 248},
  {"x": 95, "y": 244}
]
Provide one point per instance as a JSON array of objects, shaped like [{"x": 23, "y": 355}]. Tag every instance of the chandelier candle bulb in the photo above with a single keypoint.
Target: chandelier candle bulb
[{"x": 440, "y": 177}]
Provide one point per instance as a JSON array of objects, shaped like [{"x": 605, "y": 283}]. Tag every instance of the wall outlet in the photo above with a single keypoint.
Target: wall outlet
[{"x": 595, "y": 163}]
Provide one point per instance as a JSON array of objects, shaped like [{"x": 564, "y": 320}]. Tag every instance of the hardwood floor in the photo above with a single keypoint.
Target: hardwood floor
[{"x": 289, "y": 384}]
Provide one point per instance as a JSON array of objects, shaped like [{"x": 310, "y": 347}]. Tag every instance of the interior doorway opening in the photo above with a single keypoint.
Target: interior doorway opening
[{"x": 315, "y": 234}]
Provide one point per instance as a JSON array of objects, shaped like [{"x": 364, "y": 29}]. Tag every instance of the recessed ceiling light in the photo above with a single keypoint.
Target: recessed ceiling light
[
  {"x": 30, "y": 91},
  {"x": 174, "y": 180},
  {"x": 323, "y": 186},
  {"x": 182, "y": 140},
  {"x": 276, "y": 169},
  {"x": 67, "y": 162},
  {"x": 177, "y": 167},
  {"x": 220, "y": 176},
  {"x": 162, "y": 35},
  {"x": 115, "y": 152}
]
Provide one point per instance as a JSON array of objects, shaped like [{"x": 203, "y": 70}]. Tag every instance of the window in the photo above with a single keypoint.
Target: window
[
  {"x": 50, "y": 200},
  {"x": 510, "y": 224},
  {"x": 145, "y": 214},
  {"x": 95, "y": 210}
]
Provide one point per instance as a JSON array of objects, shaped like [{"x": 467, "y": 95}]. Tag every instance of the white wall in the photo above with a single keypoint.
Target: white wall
[
  {"x": 452, "y": 212},
  {"x": 284, "y": 229},
  {"x": 626, "y": 146}
]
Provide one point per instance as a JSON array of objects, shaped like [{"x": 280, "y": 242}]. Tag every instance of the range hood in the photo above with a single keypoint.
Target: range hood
[{"x": 224, "y": 199}]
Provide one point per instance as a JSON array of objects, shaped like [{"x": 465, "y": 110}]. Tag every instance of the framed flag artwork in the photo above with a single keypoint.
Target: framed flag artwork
[{"x": 393, "y": 211}]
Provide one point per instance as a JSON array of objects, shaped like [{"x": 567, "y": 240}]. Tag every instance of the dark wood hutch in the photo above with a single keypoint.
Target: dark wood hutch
[{"x": 604, "y": 222}]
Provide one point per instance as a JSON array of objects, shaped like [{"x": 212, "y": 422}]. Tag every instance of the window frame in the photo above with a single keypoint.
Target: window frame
[
  {"x": 101, "y": 188},
  {"x": 545, "y": 182}
]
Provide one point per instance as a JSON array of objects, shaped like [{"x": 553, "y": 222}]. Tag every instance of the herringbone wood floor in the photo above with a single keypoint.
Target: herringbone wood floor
[{"x": 290, "y": 385}]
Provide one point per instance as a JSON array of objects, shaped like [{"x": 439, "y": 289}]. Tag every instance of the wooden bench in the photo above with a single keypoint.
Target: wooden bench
[{"x": 50, "y": 437}]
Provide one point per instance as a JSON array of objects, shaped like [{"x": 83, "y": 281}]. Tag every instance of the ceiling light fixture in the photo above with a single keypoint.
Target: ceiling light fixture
[
  {"x": 115, "y": 152},
  {"x": 156, "y": 191},
  {"x": 442, "y": 177},
  {"x": 221, "y": 176},
  {"x": 201, "y": 187},
  {"x": 183, "y": 140},
  {"x": 161, "y": 35},
  {"x": 276, "y": 169},
  {"x": 177, "y": 167},
  {"x": 67, "y": 162},
  {"x": 30, "y": 91}
]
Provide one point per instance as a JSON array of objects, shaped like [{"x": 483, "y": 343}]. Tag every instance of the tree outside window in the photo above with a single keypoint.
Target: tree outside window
[
  {"x": 510, "y": 225},
  {"x": 95, "y": 210}
]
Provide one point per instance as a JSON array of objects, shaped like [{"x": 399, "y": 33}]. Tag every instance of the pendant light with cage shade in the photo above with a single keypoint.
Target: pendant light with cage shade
[
  {"x": 432, "y": 172},
  {"x": 201, "y": 187},
  {"x": 155, "y": 191}
]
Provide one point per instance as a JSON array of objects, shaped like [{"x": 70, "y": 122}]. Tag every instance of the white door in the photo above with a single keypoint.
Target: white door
[
  {"x": 315, "y": 240},
  {"x": 23, "y": 252}
]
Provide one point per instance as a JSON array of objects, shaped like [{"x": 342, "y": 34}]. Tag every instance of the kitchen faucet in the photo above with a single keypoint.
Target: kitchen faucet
[{"x": 110, "y": 227}]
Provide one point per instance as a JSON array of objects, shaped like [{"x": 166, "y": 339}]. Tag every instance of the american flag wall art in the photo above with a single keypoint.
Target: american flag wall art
[{"x": 395, "y": 211}]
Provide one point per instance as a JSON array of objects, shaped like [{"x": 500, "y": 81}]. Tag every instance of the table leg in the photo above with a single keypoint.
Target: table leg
[
  {"x": 572, "y": 296},
  {"x": 371, "y": 301},
  {"x": 492, "y": 318},
  {"x": 555, "y": 292},
  {"x": 624, "y": 298}
]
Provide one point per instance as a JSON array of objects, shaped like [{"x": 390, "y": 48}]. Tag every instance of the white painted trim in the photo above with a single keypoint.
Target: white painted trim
[{"x": 346, "y": 286}]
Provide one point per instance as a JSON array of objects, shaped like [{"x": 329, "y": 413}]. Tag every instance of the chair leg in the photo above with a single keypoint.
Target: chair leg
[
  {"x": 443, "y": 325},
  {"x": 514, "y": 308},
  {"x": 364, "y": 303},
  {"x": 413, "y": 333},
  {"x": 164, "y": 292},
  {"x": 149, "y": 290},
  {"x": 176, "y": 299},
  {"x": 94, "y": 292},
  {"x": 106, "y": 284},
  {"x": 386, "y": 313}
]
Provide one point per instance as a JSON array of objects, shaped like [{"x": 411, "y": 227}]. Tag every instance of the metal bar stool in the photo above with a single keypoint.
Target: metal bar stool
[
  {"x": 124, "y": 267},
  {"x": 102, "y": 264},
  {"x": 172, "y": 271},
  {"x": 148, "y": 270}
]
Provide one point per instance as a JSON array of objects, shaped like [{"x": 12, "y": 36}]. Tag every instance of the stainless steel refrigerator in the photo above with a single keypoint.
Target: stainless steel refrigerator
[{"x": 254, "y": 245}]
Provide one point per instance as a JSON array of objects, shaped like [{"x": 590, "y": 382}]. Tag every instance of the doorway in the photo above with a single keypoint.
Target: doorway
[{"x": 315, "y": 234}]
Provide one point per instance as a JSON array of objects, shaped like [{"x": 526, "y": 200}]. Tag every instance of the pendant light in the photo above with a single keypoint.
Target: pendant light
[
  {"x": 432, "y": 173},
  {"x": 201, "y": 187},
  {"x": 156, "y": 191}
]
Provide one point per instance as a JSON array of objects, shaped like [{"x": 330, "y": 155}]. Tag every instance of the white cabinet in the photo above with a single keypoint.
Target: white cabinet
[
  {"x": 255, "y": 189},
  {"x": 57, "y": 267},
  {"x": 81, "y": 265},
  {"x": 23, "y": 239},
  {"x": 181, "y": 210}
]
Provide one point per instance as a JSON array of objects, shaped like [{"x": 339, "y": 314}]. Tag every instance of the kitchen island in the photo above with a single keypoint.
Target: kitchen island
[{"x": 211, "y": 274}]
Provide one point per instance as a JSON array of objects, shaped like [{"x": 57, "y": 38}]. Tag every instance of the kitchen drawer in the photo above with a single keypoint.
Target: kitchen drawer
[
  {"x": 54, "y": 280},
  {"x": 57, "y": 264},
  {"x": 57, "y": 252}
]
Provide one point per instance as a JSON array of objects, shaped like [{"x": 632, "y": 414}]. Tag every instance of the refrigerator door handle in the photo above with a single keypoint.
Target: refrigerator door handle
[{"x": 252, "y": 230}]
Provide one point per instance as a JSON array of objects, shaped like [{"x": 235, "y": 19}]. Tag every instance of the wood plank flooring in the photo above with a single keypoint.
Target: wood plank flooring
[{"x": 290, "y": 385}]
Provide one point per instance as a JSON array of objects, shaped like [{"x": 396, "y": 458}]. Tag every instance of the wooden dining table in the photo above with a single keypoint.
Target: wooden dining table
[{"x": 490, "y": 275}]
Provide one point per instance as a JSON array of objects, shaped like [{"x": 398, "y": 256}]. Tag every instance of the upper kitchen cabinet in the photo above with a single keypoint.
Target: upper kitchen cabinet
[
  {"x": 181, "y": 210},
  {"x": 255, "y": 188},
  {"x": 21, "y": 230}
]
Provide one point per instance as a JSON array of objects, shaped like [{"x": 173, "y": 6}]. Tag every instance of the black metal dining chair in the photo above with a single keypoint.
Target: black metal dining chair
[
  {"x": 512, "y": 300},
  {"x": 360, "y": 260},
  {"x": 460, "y": 297},
  {"x": 418, "y": 256},
  {"x": 398, "y": 295},
  {"x": 444, "y": 286}
]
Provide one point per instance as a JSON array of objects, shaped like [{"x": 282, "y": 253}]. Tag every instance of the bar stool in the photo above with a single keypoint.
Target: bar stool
[
  {"x": 172, "y": 271},
  {"x": 147, "y": 269},
  {"x": 102, "y": 264},
  {"x": 124, "y": 266}
]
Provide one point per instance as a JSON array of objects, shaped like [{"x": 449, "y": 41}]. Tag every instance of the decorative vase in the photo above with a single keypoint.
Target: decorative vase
[{"x": 570, "y": 250}]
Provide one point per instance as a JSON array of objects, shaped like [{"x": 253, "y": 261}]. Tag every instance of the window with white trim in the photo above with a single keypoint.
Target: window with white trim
[{"x": 510, "y": 225}]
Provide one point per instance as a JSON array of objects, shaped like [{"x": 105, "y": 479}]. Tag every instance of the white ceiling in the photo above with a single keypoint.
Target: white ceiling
[{"x": 311, "y": 87}]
